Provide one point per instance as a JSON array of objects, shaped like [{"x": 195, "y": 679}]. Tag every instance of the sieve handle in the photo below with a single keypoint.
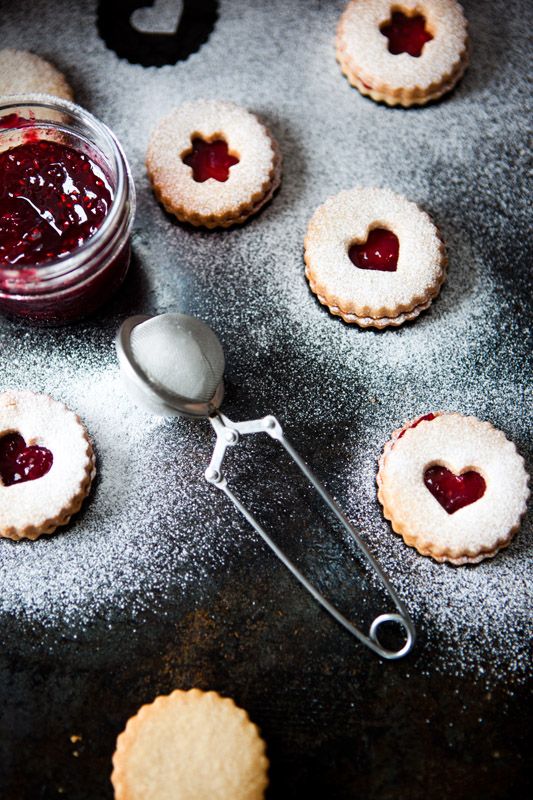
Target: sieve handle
[{"x": 228, "y": 434}]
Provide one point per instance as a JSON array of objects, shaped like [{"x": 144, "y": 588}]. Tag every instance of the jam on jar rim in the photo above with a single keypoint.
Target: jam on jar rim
[{"x": 20, "y": 111}]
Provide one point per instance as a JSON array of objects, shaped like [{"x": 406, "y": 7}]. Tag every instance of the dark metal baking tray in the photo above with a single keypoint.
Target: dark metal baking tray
[{"x": 158, "y": 584}]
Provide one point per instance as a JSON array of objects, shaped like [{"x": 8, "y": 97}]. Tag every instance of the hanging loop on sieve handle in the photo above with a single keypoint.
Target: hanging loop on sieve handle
[{"x": 228, "y": 434}]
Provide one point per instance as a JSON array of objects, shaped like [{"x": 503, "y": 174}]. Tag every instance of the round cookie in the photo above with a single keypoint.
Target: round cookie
[
  {"x": 193, "y": 745},
  {"x": 46, "y": 464},
  {"x": 373, "y": 257},
  {"x": 22, "y": 72},
  {"x": 406, "y": 54},
  {"x": 213, "y": 163},
  {"x": 454, "y": 487}
]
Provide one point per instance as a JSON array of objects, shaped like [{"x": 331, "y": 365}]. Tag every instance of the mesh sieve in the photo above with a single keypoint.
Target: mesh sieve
[
  {"x": 173, "y": 365},
  {"x": 180, "y": 355}
]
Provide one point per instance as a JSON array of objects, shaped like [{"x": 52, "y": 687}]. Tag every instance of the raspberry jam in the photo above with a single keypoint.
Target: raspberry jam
[
  {"x": 14, "y": 121},
  {"x": 52, "y": 199},
  {"x": 19, "y": 462},
  {"x": 454, "y": 491},
  {"x": 427, "y": 417},
  {"x": 209, "y": 160},
  {"x": 406, "y": 34},
  {"x": 379, "y": 252},
  {"x": 67, "y": 202}
]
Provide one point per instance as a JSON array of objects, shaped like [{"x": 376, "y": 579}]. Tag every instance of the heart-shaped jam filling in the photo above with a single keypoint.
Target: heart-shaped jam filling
[
  {"x": 454, "y": 491},
  {"x": 19, "y": 462},
  {"x": 406, "y": 34},
  {"x": 209, "y": 160},
  {"x": 379, "y": 252}
]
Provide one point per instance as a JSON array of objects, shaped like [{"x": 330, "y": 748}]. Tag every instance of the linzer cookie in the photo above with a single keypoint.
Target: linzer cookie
[
  {"x": 373, "y": 257},
  {"x": 213, "y": 163},
  {"x": 22, "y": 72},
  {"x": 454, "y": 487},
  {"x": 193, "y": 746},
  {"x": 403, "y": 54},
  {"x": 46, "y": 464}
]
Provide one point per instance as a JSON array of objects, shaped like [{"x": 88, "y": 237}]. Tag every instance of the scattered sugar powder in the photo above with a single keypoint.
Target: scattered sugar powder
[
  {"x": 124, "y": 544},
  {"x": 152, "y": 526}
]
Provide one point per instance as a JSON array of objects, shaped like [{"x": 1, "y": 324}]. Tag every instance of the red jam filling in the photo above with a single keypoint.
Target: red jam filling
[
  {"x": 406, "y": 34},
  {"x": 454, "y": 491},
  {"x": 15, "y": 121},
  {"x": 209, "y": 160},
  {"x": 52, "y": 199},
  {"x": 20, "y": 463},
  {"x": 379, "y": 252},
  {"x": 427, "y": 417}
]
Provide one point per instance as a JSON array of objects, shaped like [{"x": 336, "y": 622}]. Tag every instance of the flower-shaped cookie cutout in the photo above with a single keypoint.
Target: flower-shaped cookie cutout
[
  {"x": 405, "y": 53},
  {"x": 46, "y": 464},
  {"x": 213, "y": 163},
  {"x": 373, "y": 257},
  {"x": 454, "y": 487}
]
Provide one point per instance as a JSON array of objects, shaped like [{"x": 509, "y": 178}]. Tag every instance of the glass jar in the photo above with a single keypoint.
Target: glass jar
[{"x": 62, "y": 289}]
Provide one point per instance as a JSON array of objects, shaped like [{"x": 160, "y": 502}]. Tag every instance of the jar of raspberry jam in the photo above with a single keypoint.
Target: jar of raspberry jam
[{"x": 67, "y": 202}]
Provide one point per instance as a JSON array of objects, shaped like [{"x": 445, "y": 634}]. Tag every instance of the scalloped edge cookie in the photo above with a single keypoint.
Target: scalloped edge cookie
[
  {"x": 476, "y": 531},
  {"x": 213, "y": 204},
  {"x": 371, "y": 298},
  {"x": 23, "y": 72},
  {"x": 364, "y": 58},
  {"x": 32, "y": 508},
  {"x": 192, "y": 745}
]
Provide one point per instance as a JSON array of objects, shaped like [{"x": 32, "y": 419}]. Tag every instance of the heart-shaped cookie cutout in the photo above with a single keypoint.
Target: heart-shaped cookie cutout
[
  {"x": 20, "y": 462},
  {"x": 379, "y": 252},
  {"x": 406, "y": 34},
  {"x": 454, "y": 491},
  {"x": 209, "y": 160},
  {"x": 163, "y": 17}
]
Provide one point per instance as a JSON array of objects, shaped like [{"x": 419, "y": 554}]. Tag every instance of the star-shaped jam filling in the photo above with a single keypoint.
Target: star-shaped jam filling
[
  {"x": 406, "y": 34},
  {"x": 209, "y": 160}
]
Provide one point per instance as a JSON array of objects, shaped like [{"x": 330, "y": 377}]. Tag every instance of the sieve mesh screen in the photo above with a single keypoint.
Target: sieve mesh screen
[{"x": 179, "y": 354}]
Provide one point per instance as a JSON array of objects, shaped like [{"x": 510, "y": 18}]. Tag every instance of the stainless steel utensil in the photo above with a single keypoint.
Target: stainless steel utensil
[{"x": 173, "y": 364}]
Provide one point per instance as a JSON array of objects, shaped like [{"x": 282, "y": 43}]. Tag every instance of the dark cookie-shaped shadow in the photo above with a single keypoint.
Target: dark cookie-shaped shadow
[{"x": 156, "y": 33}]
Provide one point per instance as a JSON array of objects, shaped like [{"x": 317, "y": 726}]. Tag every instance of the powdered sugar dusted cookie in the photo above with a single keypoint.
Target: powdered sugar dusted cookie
[
  {"x": 22, "y": 72},
  {"x": 454, "y": 487},
  {"x": 190, "y": 745},
  {"x": 213, "y": 163},
  {"x": 46, "y": 464},
  {"x": 373, "y": 257},
  {"x": 403, "y": 54}
]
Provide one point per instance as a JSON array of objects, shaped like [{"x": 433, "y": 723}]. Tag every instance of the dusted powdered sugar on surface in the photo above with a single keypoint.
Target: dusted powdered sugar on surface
[
  {"x": 123, "y": 530},
  {"x": 152, "y": 528}
]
